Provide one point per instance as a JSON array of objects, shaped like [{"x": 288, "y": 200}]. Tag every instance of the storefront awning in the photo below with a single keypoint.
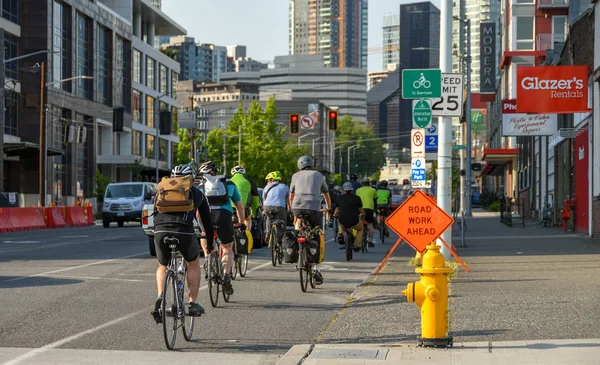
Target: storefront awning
[
  {"x": 497, "y": 158},
  {"x": 27, "y": 149}
]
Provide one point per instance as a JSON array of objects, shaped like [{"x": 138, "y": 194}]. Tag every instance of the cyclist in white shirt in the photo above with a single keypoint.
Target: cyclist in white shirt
[{"x": 275, "y": 199}]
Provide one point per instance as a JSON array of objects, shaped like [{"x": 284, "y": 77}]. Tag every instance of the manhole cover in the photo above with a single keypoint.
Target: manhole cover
[{"x": 359, "y": 354}]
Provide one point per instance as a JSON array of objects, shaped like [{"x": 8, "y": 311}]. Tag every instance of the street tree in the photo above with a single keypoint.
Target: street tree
[{"x": 365, "y": 160}]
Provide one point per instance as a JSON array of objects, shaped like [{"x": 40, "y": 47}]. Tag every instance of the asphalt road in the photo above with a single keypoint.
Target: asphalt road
[{"x": 82, "y": 295}]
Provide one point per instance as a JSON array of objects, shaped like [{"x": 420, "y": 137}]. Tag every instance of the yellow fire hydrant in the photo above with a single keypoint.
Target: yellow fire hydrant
[{"x": 431, "y": 295}]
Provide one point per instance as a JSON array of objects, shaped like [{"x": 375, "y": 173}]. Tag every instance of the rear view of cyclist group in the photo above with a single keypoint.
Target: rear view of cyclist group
[{"x": 223, "y": 207}]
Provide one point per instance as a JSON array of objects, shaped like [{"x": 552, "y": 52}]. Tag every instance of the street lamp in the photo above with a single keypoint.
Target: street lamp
[
  {"x": 306, "y": 135},
  {"x": 349, "y": 148},
  {"x": 44, "y": 133},
  {"x": 340, "y": 162},
  {"x": 225, "y": 136},
  {"x": 466, "y": 180}
]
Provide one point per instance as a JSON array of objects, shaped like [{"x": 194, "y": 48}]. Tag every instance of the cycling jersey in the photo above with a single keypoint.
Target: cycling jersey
[
  {"x": 244, "y": 187},
  {"x": 368, "y": 195},
  {"x": 275, "y": 195},
  {"x": 384, "y": 196}
]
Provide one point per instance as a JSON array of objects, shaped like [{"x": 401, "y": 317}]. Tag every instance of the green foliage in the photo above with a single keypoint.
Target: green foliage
[
  {"x": 337, "y": 179},
  {"x": 263, "y": 146},
  {"x": 369, "y": 156},
  {"x": 184, "y": 148},
  {"x": 101, "y": 183},
  {"x": 494, "y": 207},
  {"x": 136, "y": 170},
  {"x": 487, "y": 198}
]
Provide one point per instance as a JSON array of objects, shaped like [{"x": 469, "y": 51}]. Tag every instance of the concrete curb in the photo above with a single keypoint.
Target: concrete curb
[{"x": 295, "y": 355}]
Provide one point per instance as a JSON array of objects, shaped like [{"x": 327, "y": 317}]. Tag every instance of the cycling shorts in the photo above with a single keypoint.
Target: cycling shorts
[
  {"x": 369, "y": 215},
  {"x": 188, "y": 245},
  {"x": 222, "y": 219},
  {"x": 386, "y": 209},
  {"x": 314, "y": 216}
]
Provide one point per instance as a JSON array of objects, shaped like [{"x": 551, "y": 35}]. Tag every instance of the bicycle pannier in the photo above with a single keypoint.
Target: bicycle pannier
[
  {"x": 290, "y": 248},
  {"x": 244, "y": 242}
]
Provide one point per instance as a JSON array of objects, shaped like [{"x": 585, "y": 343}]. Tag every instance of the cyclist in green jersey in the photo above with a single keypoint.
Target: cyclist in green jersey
[
  {"x": 368, "y": 195},
  {"x": 384, "y": 199},
  {"x": 248, "y": 192}
]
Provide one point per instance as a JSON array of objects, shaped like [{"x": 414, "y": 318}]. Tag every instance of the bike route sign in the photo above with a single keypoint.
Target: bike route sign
[
  {"x": 421, "y": 84},
  {"x": 421, "y": 113}
]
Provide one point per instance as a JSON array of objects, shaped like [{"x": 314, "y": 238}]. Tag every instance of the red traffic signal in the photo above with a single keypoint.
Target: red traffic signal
[
  {"x": 332, "y": 120},
  {"x": 294, "y": 124}
]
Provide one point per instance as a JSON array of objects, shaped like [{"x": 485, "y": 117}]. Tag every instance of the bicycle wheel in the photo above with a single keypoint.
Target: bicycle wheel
[
  {"x": 349, "y": 247},
  {"x": 226, "y": 296},
  {"x": 416, "y": 84},
  {"x": 273, "y": 245},
  {"x": 187, "y": 321},
  {"x": 243, "y": 263},
  {"x": 280, "y": 252},
  {"x": 169, "y": 310},
  {"x": 213, "y": 280},
  {"x": 236, "y": 257},
  {"x": 382, "y": 232},
  {"x": 364, "y": 246},
  {"x": 303, "y": 272},
  {"x": 427, "y": 84},
  {"x": 313, "y": 284}
]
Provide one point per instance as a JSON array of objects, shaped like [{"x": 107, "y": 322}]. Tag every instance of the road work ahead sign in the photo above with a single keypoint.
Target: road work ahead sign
[{"x": 419, "y": 221}]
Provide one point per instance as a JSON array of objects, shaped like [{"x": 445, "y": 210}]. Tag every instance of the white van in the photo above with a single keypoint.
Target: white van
[{"x": 123, "y": 202}]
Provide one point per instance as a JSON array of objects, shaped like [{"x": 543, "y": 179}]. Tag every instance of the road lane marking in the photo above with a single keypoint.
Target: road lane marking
[
  {"x": 21, "y": 241},
  {"x": 99, "y": 278},
  {"x": 64, "y": 341},
  {"x": 52, "y": 245},
  {"x": 76, "y": 236},
  {"x": 75, "y": 267}
]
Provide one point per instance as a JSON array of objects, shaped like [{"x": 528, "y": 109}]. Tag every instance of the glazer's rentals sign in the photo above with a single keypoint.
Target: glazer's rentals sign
[
  {"x": 520, "y": 124},
  {"x": 552, "y": 89}
]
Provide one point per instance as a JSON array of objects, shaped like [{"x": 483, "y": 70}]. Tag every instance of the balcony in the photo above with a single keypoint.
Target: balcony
[{"x": 547, "y": 4}]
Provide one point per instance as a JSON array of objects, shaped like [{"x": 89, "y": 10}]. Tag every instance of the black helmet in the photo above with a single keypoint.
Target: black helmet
[
  {"x": 366, "y": 181},
  {"x": 353, "y": 177},
  {"x": 305, "y": 162},
  {"x": 208, "y": 167},
  {"x": 383, "y": 184}
]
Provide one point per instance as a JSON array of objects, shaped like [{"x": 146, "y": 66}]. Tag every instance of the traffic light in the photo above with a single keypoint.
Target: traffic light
[
  {"x": 332, "y": 119},
  {"x": 294, "y": 124},
  {"x": 384, "y": 163}
]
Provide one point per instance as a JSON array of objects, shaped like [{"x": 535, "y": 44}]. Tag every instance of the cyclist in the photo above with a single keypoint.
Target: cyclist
[
  {"x": 275, "y": 199},
  {"x": 221, "y": 217},
  {"x": 305, "y": 197},
  {"x": 181, "y": 226},
  {"x": 334, "y": 193},
  {"x": 248, "y": 191},
  {"x": 353, "y": 180},
  {"x": 368, "y": 195},
  {"x": 349, "y": 213},
  {"x": 384, "y": 199}
]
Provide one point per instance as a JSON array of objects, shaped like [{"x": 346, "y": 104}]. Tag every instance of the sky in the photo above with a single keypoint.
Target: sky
[{"x": 261, "y": 25}]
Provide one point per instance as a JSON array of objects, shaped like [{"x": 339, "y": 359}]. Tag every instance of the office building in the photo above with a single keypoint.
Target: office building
[
  {"x": 391, "y": 41},
  {"x": 236, "y": 51},
  {"x": 335, "y": 29},
  {"x": 198, "y": 61}
]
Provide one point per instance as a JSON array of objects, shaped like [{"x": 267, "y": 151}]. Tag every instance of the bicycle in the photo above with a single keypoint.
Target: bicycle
[
  {"x": 175, "y": 279},
  {"x": 274, "y": 240},
  {"x": 422, "y": 82},
  {"x": 240, "y": 260},
  {"x": 383, "y": 232},
  {"x": 307, "y": 270},
  {"x": 348, "y": 243},
  {"x": 364, "y": 246},
  {"x": 215, "y": 274}
]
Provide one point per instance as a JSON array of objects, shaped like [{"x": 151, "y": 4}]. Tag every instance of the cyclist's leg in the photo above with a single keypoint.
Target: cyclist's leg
[
  {"x": 248, "y": 221},
  {"x": 369, "y": 219},
  {"x": 190, "y": 253},
  {"x": 359, "y": 234},
  {"x": 340, "y": 233},
  {"x": 268, "y": 220},
  {"x": 163, "y": 254},
  {"x": 226, "y": 235}
]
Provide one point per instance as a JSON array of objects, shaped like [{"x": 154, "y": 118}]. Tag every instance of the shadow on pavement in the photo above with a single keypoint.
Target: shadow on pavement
[{"x": 6, "y": 283}]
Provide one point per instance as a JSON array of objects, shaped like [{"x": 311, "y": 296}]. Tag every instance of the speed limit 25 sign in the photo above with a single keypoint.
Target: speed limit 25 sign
[{"x": 451, "y": 102}]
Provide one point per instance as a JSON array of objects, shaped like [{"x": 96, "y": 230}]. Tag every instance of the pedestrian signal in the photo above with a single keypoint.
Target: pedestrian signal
[
  {"x": 294, "y": 124},
  {"x": 333, "y": 119}
]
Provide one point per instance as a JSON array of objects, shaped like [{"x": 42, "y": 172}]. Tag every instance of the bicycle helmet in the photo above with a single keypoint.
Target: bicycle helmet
[
  {"x": 348, "y": 186},
  {"x": 383, "y": 184},
  {"x": 305, "y": 162},
  {"x": 337, "y": 188},
  {"x": 182, "y": 170},
  {"x": 238, "y": 170},
  {"x": 366, "y": 181},
  {"x": 208, "y": 167},
  {"x": 275, "y": 175},
  {"x": 353, "y": 177}
]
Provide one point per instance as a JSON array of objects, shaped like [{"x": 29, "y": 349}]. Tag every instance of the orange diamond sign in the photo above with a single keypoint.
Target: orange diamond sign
[{"x": 419, "y": 221}]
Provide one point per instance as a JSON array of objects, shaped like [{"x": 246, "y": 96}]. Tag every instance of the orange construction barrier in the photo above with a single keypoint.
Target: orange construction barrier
[
  {"x": 55, "y": 217},
  {"x": 76, "y": 217},
  {"x": 89, "y": 214},
  {"x": 5, "y": 222},
  {"x": 24, "y": 219}
]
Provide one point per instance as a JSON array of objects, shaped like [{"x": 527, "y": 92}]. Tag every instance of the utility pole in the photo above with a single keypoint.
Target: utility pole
[
  {"x": 444, "y": 189},
  {"x": 240, "y": 146},
  {"x": 468, "y": 120},
  {"x": 42, "y": 137},
  {"x": 224, "y": 154},
  {"x": 2, "y": 97}
]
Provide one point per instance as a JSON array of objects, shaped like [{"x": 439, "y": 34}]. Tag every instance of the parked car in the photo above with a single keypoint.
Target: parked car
[
  {"x": 397, "y": 200},
  {"x": 124, "y": 202}
]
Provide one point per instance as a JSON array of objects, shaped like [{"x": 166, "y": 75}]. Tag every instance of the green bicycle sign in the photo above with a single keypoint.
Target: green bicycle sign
[{"x": 421, "y": 84}]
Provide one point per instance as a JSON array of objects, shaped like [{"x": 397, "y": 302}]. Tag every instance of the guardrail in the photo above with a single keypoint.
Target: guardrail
[
  {"x": 511, "y": 212},
  {"x": 26, "y": 219}
]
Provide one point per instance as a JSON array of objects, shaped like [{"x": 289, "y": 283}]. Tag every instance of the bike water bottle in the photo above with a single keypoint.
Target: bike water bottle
[{"x": 180, "y": 274}]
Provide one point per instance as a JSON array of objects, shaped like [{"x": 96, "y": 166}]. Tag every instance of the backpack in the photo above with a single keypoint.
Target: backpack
[
  {"x": 174, "y": 195},
  {"x": 215, "y": 189}
]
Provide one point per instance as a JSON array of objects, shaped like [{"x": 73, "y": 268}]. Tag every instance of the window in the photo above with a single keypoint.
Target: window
[
  {"x": 163, "y": 79},
  {"x": 104, "y": 66},
  {"x": 221, "y": 112},
  {"x": 149, "y": 146},
  {"x": 137, "y": 66},
  {"x": 174, "y": 80},
  {"x": 10, "y": 10},
  {"x": 524, "y": 33},
  {"x": 150, "y": 111},
  {"x": 150, "y": 81},
  {"x": 11, "y": 117},
  {"x": 61, "y": 37},
  {"x": 11, "y": 51},
  {"x": 122, "y": 54},
  {"x": 136, "y": 143},
  {"x": 84, "y": 60},
  {"x": 559, "y": 29},
  {"x": 137, "y": 106},
  {"x": 162, "y": 153}
]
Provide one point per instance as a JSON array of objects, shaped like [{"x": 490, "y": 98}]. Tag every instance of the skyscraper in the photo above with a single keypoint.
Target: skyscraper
[
  {"x": 336, "y": 29},
  {"x": 391, "y": 40}
]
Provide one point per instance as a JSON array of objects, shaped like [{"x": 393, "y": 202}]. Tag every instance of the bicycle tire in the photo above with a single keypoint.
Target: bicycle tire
[
  {"x": 303, "y": 273},
  {"x": 382, "y": 233},
  {"x": 169, "y": 310},
  {"x": 234, "y": 267},
  {"x": 280, "y": 252},
  {"x": 243, "y": 265},
  {"x": 425, "y": 83},
  {"x": 364, "y": 246},
  {"x": 313, "y": 284},
  {"x": 187, "y": 321},
  {"x": 226, "y": 296},
  {"x": 349, "y": 247},
  {"x": 273, "y": 244},
  {"x": 213, "y": 280}
]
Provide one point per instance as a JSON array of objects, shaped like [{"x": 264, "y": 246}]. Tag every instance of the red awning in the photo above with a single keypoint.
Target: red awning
[{"x": 497, "y": 158}]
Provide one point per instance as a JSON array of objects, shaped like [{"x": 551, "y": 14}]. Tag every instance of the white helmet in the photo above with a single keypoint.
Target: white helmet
[
  {"x": 238, "y": 170},
  {"x": 182, "y": 170},
  {"x": 348, "y": 186}
]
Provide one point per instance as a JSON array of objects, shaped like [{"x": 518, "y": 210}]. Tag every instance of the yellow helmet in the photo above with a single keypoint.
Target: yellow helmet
[{"x": 275, "y": 175}]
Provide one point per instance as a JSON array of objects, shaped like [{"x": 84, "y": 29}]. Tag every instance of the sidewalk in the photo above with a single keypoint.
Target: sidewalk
[{"x": 527, "y": 285}]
